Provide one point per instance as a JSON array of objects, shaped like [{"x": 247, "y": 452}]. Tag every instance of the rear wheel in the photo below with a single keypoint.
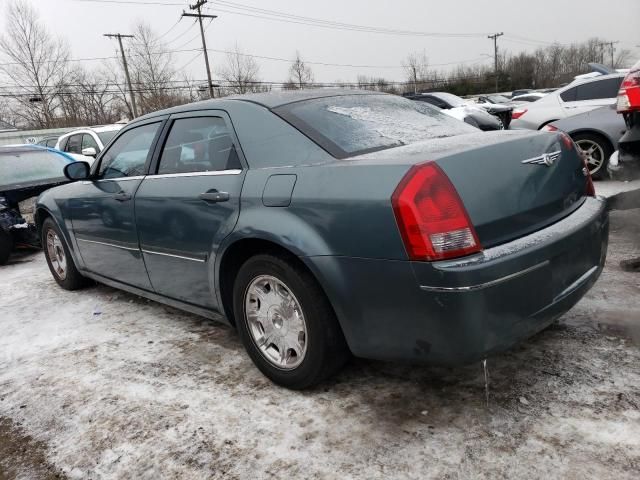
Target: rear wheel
[
  {"x": 59, "y": 259},
  {"x": 6, "y": 246},
  {"x": 597, "y": 151},
  {"x": 286, "y": 323}
]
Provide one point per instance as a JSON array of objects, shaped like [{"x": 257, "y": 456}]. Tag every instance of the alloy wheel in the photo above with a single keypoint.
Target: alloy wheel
[
  {"x": 594, "y": 154},
  {"x": 57, "y": 257}
]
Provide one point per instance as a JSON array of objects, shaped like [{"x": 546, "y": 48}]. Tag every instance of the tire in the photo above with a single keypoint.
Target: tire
[
  {"x": 601, "y": 154},
  {"x": 6, "y": 246},
  {"x": 57, "y": 254},
  {"x": 323, "y": 350}
]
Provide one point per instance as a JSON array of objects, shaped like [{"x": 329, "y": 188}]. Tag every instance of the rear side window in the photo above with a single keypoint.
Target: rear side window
[
  {"x": 354, "y": 124},
  {"x": 199, "y": 144},
  {"x": 599, "y": 89},
  {"x": 569, "y": 95},
  {"x": 127, "y": 156}
]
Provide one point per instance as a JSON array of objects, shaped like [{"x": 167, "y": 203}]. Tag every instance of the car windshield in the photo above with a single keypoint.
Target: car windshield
[
  {"x": 27, "y": 167},
  {"x": 498, "y": 99},
  {"x": 105, "y": 137},
  {"x": 353, "y": 124}
]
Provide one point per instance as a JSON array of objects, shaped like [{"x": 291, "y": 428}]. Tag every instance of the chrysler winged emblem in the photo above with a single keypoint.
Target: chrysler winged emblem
[{"x": 547, "y": 159}]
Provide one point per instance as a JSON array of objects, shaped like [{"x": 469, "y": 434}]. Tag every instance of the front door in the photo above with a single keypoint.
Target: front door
[
  {"x": 103, "y": 211},
  {"x": 189, "y": 206}
]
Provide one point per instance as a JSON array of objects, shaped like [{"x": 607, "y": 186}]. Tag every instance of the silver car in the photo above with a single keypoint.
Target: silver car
[
  {"x": 578, "y": 97},
  {"x": 596, "y": 133}
]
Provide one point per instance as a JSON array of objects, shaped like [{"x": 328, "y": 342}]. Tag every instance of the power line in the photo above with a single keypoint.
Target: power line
[{"x": 296, "y": 19}]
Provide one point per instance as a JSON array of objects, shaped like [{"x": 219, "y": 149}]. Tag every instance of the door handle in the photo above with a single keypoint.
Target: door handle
[
  {"x": 214, "y": 196},
  {"x": 122, "y": 197}
]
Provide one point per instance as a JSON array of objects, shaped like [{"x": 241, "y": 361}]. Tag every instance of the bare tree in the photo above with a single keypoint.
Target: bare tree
[
  {"x": 240, "y": 73},
  {"x": 152, "y": 71},
  {"x": 416, "y": 69},
  {"x": 623, "y": 58},
  {"x": 300, "y": 73},
  {"x": 36, "y": 63}
]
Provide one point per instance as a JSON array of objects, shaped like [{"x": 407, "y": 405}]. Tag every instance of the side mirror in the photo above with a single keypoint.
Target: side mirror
[
  {"x": 77, "y": 171},
  {"x": 89, "y": 152}
]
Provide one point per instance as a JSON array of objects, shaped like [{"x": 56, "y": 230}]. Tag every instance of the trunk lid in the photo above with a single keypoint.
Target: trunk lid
[{"x": 511, "y": 183}]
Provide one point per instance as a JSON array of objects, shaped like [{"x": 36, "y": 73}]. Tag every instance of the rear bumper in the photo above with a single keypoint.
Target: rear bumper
[{"x": 456, "y": 312}]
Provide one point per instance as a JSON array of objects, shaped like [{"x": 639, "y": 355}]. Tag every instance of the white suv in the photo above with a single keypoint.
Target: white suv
[
  {"x": 578, "y": 97},
  {"x": 88, "y": 141}
]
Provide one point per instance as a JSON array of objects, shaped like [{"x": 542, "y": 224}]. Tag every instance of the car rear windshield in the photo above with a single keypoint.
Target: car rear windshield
[
  {"x": 20, "y": 167},
  {"x": 350, "y": 125},
  {"x": 105, "y": 137}
]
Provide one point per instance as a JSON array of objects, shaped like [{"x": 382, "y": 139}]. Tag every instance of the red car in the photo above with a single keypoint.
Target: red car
[{"x": 628, "y": 164}]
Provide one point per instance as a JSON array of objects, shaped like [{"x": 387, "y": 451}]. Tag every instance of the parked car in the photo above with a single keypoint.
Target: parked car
[
  {"x": 446, "y": 100},
  {"x": 474, "y": 116},
  {"x": 462, "y": 109},
  {"x": 527, "y": 98},
  {"x": 596, "y": 133},
  {"x": 88, "y": 141},
  {"x": 25, "y": 172},
  {"x": 627, "y": 166},
  {"x": 522, "y": 91},
  {"x": 324, "y": 223},
  {"x": 494, "y": 99},
  {"x": 578, "y": 97}
]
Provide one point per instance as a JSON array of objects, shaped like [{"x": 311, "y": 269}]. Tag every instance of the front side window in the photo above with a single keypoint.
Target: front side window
[
  {"x": 350, "y": 125},
  {"x": 128, "y": 155},
  {"x": 199, "y": 144},
  {"x": 74, "y": 144},
  {"x": 105, "y": 137}
]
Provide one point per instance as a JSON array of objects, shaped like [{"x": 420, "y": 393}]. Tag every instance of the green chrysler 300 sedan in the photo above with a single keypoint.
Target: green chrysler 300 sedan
[{"x": 324, "y": 224}]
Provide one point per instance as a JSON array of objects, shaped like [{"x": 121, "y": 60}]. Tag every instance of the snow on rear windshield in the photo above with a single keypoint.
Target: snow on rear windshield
[{"x": 353, "y": 124}]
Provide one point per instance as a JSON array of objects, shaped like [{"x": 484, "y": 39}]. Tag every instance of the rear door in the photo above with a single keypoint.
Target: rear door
[
  {"x": 189, "y": 204},
  {"x": 102, "y": 211}
]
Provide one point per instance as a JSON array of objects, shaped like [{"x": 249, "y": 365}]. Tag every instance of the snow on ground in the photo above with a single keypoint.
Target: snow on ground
[
  {"x": 608, "y": 188},
  {"x": 102, "y": 384}
]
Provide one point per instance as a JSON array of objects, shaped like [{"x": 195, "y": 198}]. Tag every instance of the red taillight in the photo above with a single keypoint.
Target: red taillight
[
  {"x": 518, "y": 112},
  {"x": 431, "y": 217},
  {"x": 567, "y": 140},
  {"x": 629, "y": 94},
  {"x": 550, "y": 128}
]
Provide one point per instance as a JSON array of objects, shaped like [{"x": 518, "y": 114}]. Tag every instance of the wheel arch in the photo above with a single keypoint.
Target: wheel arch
[
  {"x": 239, "y": 251},
  {"x": 597, "y": 133}
]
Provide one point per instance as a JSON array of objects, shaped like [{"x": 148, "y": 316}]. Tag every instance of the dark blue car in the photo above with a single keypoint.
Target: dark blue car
[{"x": 328, "y": 223}]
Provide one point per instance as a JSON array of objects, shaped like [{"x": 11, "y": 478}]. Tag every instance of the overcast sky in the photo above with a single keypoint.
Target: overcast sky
[{"x": 526, "y": 25}]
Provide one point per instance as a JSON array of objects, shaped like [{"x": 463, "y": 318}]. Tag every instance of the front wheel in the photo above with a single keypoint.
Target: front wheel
[
  {"x": 6, "y": 246},
  {"x": 597, "y": 151},
  {"x": 286, "y": 323},
  {"x": 59, "y": 258}
]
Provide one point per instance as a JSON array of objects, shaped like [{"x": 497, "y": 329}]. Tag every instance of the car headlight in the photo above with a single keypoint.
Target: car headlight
[{"x": 3, "y": 203}]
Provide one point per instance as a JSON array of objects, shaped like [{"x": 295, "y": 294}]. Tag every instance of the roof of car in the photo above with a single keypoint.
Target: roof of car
[{"x": 268, "y": 100}]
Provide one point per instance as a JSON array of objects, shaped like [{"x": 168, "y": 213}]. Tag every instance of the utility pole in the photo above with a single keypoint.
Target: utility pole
[
  {"x": 197, "y": 6},
  {"x": 494, "y": 37},
  {"x": 612, "y": 50},
  {"x": 126, "y": 68}
]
